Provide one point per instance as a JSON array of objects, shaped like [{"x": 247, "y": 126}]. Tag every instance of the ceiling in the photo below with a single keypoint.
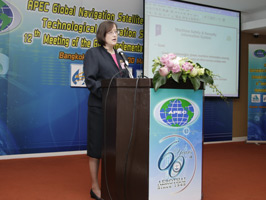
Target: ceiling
[{"x": 253, "y": 12}]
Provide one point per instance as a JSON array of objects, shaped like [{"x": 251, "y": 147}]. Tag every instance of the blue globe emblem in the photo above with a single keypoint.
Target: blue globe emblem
[
  {"x": 6, "y": 16},
  {"x": 177, "y": 112},
  {"x": 260, "y": 53},
  {"x": 9, "y": 17}
]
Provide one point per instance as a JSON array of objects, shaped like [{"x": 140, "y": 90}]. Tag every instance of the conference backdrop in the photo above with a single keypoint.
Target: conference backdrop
[
  {"x": 43, "y": 99},
  {"x": 257, "y": 93}
]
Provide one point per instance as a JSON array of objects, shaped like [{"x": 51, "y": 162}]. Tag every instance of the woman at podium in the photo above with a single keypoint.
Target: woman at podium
[{"x": 102, "y": 62}]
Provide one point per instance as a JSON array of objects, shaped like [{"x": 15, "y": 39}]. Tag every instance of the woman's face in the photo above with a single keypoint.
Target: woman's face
[{"x": 111, "y": 37}]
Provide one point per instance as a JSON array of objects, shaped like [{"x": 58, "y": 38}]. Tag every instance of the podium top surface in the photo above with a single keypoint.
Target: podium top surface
[{"x": 146, "y": 83}]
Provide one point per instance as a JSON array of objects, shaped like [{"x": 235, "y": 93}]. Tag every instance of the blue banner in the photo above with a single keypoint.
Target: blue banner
[
  {"x": 257, "y": 93},
  {"x": 41, "y": 43},
  {"x": 175, "y": 160}
]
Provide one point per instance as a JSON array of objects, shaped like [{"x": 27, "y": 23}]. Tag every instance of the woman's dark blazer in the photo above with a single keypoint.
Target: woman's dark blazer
[{"x": 99, "y": 65}]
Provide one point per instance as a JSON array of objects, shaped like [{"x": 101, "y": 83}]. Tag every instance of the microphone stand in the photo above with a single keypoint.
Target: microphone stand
[{"x": 129, "y": 73}]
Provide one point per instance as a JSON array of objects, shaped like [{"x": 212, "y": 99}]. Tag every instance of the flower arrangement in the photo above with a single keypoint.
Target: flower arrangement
[{"x": 171, "y": 66}]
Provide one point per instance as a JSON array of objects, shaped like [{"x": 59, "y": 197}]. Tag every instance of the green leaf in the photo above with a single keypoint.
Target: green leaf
[
  {"x": 158, "y": 81},
  {"x": 169, "y": 75},
  {"x": 208, "y": 72},
  {"x": 184, "y": 77},
  {"x": 176, "y": 76},
  {"x": 206, "y": 79},
  {"x": 195, "y": 82},
  {"x": 198, "y": 65},
  {"x": 154, "y": 67}
]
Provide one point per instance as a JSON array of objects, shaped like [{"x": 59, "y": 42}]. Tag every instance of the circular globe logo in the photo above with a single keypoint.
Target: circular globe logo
[
  {"x": 9, "y": 17},
  {"x": 176, "y": 112},
  {"x": 260, "y": 53}
]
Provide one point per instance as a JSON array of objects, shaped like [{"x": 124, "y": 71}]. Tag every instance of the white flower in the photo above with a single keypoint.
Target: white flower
[
  {"x": 177, "y": 60},
  {"x": 201, "y": 71},
  {"x": 194, "y": 72}
]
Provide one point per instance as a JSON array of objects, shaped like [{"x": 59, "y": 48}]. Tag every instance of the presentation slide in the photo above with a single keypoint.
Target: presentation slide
[{"x": 209, "y": 36}]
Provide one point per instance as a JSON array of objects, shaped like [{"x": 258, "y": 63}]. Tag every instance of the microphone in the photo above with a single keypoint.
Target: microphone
[{"x": 120, "y": 51}]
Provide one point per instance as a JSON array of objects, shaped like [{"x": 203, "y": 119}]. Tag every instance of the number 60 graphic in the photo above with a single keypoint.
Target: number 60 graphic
[{"x": 175, "y": 165}]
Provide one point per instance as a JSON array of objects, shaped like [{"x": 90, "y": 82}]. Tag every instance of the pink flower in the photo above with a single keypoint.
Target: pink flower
[
  {"x": 176, "y": 69},
  {"x": 164, "y": 59},
  {"x": 171, "y": 56},
  {"x": 170, "y": 64},
  {"x": 187, "y": 66},
  {"x": 163, "y": 71}
]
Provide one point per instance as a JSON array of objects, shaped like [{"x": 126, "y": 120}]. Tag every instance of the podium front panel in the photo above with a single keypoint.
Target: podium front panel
[
  {"x": 126, "y": 149},
  {"x": 175, "y": 144}
]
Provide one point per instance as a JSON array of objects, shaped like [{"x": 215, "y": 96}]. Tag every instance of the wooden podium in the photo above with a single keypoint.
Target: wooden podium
[{"x": 125, "y": 165}]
